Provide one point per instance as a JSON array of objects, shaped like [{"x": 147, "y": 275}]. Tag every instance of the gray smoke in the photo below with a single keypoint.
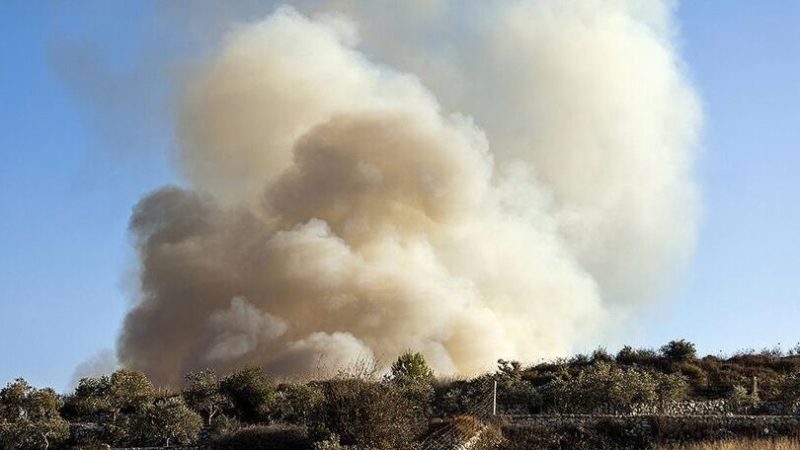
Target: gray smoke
[{"x": 470, "y": 180}]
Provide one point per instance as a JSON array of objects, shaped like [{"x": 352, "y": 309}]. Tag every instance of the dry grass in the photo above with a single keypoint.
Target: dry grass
[{"x": 763, "y": 444}]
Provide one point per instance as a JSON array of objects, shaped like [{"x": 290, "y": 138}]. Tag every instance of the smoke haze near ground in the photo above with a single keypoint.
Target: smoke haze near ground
[{"x": 475, "y": 181}]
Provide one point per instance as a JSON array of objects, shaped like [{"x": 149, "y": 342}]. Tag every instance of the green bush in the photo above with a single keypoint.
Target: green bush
[
  {"x": 411, "y": 367},
  {"x": 680, "y": 350},
  {"x": 166, "y": 422},
  {"x": 606, "y": 384}
]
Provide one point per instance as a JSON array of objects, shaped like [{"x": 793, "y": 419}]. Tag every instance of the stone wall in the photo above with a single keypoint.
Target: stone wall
[
  {"x": 686, "y": 408},
  {"x": 638, "y": 432},
  {"x": 554, "y": 420}
]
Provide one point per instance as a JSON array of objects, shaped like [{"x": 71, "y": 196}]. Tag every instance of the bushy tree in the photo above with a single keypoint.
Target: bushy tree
[
  {"x": 411, "y": 367},
  {"x": 251, "y": 392},
  {"x": 508, "y": 369},
  {"x": 167, "y": 422},
  {"x": 629, "y": 356},
  {"x": 14, "y": 400},
  {"x": 626, "y": 355},
  {"x": 370, "y": 414},
  {"x": 680, "y": 350},
  {"x": 297, "y": 402},
  {"x": 129, "y": 391},
  {"x": 514, "y": 392},
  {"x": 740, "y": 399},
  {"x": 90, "y": 401},
  {"x": 601, "y": 355},
  {"x": 606, "y": 384},
  {"x": 104, "y": 398},
  {"x": 413, "y": 379},
  {"x": 203, "y": 393},
  {"x": 29, "y": 417},
  {"x": 111, "y": 402},
  {"x": 670, "y": 387}
]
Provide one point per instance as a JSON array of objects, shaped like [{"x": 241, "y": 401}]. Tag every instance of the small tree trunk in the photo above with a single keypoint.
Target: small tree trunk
[{"x": 211, "y": 413}]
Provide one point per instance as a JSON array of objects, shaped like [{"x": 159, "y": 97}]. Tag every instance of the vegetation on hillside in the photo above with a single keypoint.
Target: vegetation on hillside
[
  {"x": 250, "y": 409},
  {"x": 743, "y": 444}
]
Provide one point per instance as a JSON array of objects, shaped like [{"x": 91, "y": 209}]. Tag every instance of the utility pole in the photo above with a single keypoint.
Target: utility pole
[{"x": 494, "y": 399}]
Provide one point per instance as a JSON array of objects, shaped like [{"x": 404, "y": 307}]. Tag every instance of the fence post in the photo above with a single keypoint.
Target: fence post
[
  {"x": 494, "y": 399},
  {"x": 755, "y": 387}
]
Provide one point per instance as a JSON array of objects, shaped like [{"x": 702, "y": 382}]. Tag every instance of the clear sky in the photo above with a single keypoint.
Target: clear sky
[{"x": 73, "y": 162}]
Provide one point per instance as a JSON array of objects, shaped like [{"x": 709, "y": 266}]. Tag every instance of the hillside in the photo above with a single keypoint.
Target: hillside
[{"x": 636, "y": 398}]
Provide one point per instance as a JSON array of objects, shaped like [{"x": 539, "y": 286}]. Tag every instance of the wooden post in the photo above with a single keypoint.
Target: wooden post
[
  {"x": 494, "y": 399},
  {"x": 755, "y": 387}
]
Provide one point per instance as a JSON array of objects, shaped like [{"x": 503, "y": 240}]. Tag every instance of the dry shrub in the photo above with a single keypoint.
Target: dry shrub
[
  {"x": 466, "y": 426},
  {"x": 490, "y": 439}
]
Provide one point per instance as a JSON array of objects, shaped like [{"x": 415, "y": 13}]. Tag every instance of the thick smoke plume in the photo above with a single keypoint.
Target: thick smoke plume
[{"x": 470, "y": 180}]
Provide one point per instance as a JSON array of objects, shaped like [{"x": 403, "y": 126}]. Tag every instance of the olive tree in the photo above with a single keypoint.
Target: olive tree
[
  {"x": 251, "y": 392},
  {"x": 167, "y": 422},
  {"x": 29, "y": 417},
  {"x": 203, "y": 393},
  {"x": 607, "y": 384},
  {"x": 129, "y": 392},
  {"x": 104, "y": 398}
]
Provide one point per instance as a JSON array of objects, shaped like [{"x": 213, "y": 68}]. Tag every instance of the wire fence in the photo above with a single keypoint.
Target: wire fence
[{"x": 461, "y": 429}]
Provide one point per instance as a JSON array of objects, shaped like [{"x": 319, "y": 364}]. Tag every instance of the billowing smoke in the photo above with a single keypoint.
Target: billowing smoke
[{"x": 470, "y": 180}]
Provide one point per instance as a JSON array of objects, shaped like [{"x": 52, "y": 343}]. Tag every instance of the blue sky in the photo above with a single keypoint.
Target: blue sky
[
  {"x": 743, "y": 287},
  {"x": 67, "y": 188}
]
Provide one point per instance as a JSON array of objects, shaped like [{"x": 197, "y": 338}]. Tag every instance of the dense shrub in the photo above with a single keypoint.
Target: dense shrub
[
  {"x": 273, "y": 437},
  {"x": 203, "y": 392},
  {"x": 297, "y": 403},
  {"x": 108, "y": 398},
  {"x": 29, "y": 417},
  {"x": 680, "y": 350},
  {"x": 250, "y": 392},
  {"x": 606, "y": 384},
  {"x": 452, "y": 397},
  {"x": 370, "y": 414},
  {"x": 409, "y": 368},
  {"x": 166, "y": 422}
]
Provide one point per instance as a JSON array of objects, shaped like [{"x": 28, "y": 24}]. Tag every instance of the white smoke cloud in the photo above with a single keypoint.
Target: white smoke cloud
[
  {"x": 508, "y": 182},
  {"x": 102, "y": 363},
  {"x": 241, "y": 329}
]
